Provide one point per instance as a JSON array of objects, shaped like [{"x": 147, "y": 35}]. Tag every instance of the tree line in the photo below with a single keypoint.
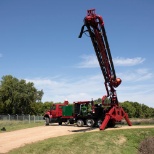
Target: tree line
[
  {"x": 18, "y": 96},
  {"x": 137, "y": 110},
  {"x": 134, "y": 109},
  {"x": 21, "y": 97}
]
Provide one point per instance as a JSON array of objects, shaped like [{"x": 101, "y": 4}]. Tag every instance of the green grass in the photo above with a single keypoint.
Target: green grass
[
  {"x": 16, "y": 125},
  {"x": 103, "y": 142}
]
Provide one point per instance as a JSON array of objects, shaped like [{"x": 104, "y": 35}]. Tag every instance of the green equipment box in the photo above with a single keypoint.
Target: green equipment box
[{"x": 67, "y": 110}]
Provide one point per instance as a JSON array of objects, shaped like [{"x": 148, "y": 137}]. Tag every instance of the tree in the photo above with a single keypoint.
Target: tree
[
  {"x": 138, "y": 107},
  {"x": 99, "y": 101},
  {"x": 47, "y": 106},
  {"x": 147, "y": 112},
  {"x": 129, "y": 108},
  {"x": 17, "y": 95},
  {"x": 40, "y": 108}
]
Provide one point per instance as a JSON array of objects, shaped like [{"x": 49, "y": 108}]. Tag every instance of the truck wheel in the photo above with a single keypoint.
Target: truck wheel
[
  {"x": 90, "y": 122},
  {"x": 79, "y": 123},
  {"x": 60, "y": 123},
  {"x": 67, "y": 122},
  {"x": 99, "y": 122},
  {"x": 71, "y": 122},
  {"x": 111, "y": 124},
  {"x": 47, "y": 121}
]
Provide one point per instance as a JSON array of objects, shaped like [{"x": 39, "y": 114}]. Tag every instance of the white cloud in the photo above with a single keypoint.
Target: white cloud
[
  {"x": 142, "y": 93},
  {"x": 136, "y": 75},
  {"x": 90, "y": 61},
  {"x": 119, "y": 61},
  {"x": 135, "y": 85},
  {"x": 57, "y": 90}
]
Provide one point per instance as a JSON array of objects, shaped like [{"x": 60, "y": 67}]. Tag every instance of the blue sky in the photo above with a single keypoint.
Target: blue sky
[{"x": 39, "y": 43}]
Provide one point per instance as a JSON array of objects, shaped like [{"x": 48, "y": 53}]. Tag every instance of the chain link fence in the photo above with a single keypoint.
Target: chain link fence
[
  {"x": 24, "y": 118},
  {"x": 139, "y": 121}
]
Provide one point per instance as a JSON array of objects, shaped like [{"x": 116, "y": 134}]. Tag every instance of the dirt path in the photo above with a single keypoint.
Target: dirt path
[{"x": 15, "y": 139}]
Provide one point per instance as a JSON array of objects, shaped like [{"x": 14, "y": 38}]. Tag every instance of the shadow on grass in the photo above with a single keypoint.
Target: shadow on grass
[{"x": 84, "y": 130}]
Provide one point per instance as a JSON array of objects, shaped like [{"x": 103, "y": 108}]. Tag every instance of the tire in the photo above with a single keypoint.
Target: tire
[
  {"x": 111, "y": 124},
  {"x": 47, "y": 121},
  {"x": 79, "y": 123},
  {"x": 90, "y": 122},
  {"x": 67, "y": 122},
  {"x": 98, "y": 123},
  {"x": 71, "y": 122},
  {"x": 60, "y": 123}
]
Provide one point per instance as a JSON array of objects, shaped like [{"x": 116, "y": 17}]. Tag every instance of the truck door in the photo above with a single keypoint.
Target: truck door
[
  {"x": 59, "y": 110},
  {"x": 53, "y": 111}
]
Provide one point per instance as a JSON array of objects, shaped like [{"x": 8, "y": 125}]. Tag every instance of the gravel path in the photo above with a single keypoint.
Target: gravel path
[{"x": 16, "y": 139}]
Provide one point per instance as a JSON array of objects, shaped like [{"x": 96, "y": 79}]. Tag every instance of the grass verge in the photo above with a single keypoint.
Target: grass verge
[
  {"x": 108, "y": 142},
  {"x": 16, "y": 125}
]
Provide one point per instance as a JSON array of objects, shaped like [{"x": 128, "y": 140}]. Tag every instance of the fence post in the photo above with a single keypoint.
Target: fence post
[
  {"x": 17, "y": 117},
  {"x": 9, "y": 117},
  {"x": 34, "y": 118},
  {"x": 23, "y": 117},
  {"x": 29, "y": 118}
]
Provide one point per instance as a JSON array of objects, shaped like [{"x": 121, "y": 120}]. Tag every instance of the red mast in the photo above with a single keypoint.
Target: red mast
[{"x": 95, "y": 26}]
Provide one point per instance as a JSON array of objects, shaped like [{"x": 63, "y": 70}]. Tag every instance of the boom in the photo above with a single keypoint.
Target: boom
[{"x": 95, "y": 26}]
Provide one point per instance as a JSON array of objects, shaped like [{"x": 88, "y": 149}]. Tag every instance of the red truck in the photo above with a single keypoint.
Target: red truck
[
  {"x": 59, "y": 113},
  {"x": 83, "y": 113}
]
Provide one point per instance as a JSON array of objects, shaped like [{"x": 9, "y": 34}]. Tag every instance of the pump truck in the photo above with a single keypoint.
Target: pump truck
[{"x": 86, "y": 112}]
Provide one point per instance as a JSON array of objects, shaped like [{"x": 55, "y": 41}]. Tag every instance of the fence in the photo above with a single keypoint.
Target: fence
[
  {"x": 24, "y": 118},
  {"x": 139, "y": 121}
]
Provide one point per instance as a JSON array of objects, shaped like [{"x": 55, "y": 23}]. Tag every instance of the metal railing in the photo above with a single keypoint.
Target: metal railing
[{"x": 24, "y": 118}]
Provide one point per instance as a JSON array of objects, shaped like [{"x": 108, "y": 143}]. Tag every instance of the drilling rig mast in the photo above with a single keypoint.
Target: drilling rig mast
[{"x": 95, "y": 27}]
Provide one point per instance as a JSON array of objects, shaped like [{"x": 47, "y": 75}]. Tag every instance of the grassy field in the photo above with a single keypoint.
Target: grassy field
[
  {"x": 16, "y": 125},
  {"x": 103, "y": 142}
]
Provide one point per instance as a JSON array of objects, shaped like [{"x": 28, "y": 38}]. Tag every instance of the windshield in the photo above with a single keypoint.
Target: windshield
[{"x": 53, "y": 107}]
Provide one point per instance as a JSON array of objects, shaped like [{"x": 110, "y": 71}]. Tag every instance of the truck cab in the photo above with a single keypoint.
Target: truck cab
[
  {"x": 56, "y": 110},
  {"x": 58, "y": 113}
]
